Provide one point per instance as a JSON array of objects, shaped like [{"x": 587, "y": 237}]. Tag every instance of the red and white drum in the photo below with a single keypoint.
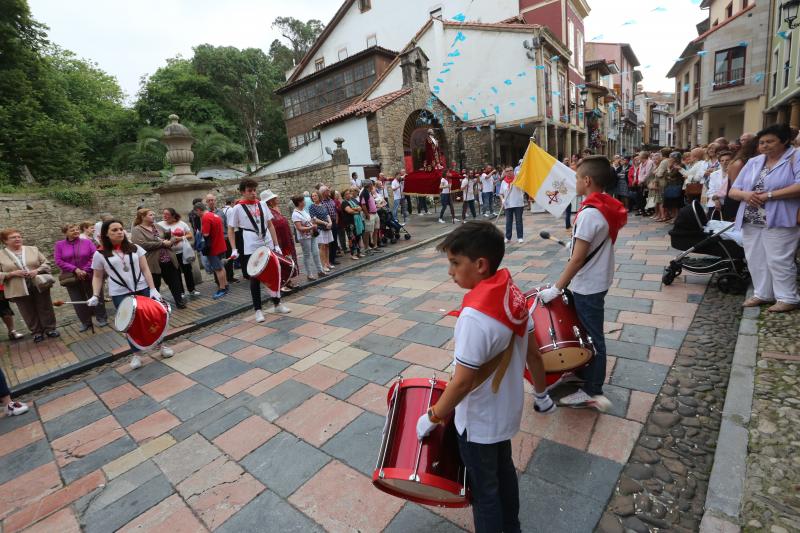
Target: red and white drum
[
  {"x": 271, "y": 268},
  {"x": 563, "y": 342},
  {"x": 429, "y": 471},
  {"x": 143, "y": 320}
]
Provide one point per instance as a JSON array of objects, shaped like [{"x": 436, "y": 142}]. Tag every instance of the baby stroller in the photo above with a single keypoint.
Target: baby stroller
[
  {"x": 392, "y": 228},
  {"x": 722, "y": 256}
]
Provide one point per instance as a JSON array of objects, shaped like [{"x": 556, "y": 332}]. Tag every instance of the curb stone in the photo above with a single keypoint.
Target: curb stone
[{"x": 726, "y": 484}]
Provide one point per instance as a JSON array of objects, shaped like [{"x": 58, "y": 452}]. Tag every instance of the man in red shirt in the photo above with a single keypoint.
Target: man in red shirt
[{"x": 215, "y": 247}]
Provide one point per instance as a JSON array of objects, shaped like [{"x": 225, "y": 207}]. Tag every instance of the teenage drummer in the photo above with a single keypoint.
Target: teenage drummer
[
  {"x": 492, "y": 347},
  {"x": 255, "y": 220},
  {"x": 590, "y": 271},
  {"x": 125, "y": 265}
]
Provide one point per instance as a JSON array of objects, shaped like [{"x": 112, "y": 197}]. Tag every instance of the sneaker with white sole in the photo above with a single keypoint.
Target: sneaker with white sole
[
  {"x": 506, "y": 241},
  {"x": 565, "y": 379},
  {"x": 441, "y": 221},
  {"x": 16, "y": 409},
  {"x": 259, "y": 316},
  {"x": 543, "y": 404},
  {"x": 281, "y": 309},
  {"x": 136, "y": 362},
  {"x": 581, "y": 400},
  {"x": 195, "y": 293},
  {"x": 520, "y": 241},
  {"x": 167, "y": 352}
]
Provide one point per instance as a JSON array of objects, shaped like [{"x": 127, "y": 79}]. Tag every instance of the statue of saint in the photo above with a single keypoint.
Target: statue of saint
[{"x": 433, "y": 154}]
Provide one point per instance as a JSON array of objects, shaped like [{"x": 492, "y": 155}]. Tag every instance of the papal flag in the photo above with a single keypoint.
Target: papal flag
[{"x": 548, "y": 181}]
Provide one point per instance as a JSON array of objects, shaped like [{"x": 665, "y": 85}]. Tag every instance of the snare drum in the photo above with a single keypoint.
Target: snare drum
[
  {"x": 143, "y": 320},
  {"x": 429, "y": 471},
  {"x": 271, "y": 269}
]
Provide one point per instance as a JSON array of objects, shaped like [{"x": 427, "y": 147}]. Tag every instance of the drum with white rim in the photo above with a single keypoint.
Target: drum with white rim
[
  {"x": 271, "y": 269},
  {"x": 143, "y": 320}
]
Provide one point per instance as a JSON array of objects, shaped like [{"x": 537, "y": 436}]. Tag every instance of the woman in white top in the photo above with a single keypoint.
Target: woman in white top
[
  {"x": 512, "y": 199},
  {"x": 717, "y": 187},
  {"x": 468, "y": 190},
  {"x": 125, "y": 265},
  {"x": 304, "y": 228},
  {"x": 172, "y": 222}
]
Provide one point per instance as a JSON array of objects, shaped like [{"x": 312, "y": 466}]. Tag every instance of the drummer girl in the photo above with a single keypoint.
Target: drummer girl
[
  {"x": 492, "y": 348},
  {"x": 128, "y": 274}
]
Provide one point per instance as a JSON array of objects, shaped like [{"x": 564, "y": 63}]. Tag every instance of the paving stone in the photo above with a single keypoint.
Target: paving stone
[
  {"x": 610, "y": 315},
  {"x": 75, "y": 387},
  {"x": 220, "y": 426},
  {"x": 275, "y": 340},
  {"x": 231, "y": 346},
  {"x": 412, "y": 517},
  {"x": 192, "y": 402},
  {"x": 639, "y": 375},
  {"x": 345, "y": 388},
  {"x": 378, "y": 369},
  {"x": 550, "y": 507},
  {"x": 639, "y": 305},
  {"x": 638, "y": 334},
  {"x": 358, "y": 444},
  {"x": 351, "y": 320},
  {"x": 24, "y": 460},
  {"x": 619, "y": 397},
  {"x": 281, "y": 399},
  {"x": 669, "y": 338},
  {"x": 148, "y": 373},
  {"x": 640, "y": 285},
  {"x": 275, "y": 362},
  {"x": 207, "y": 418},
  {"x": 428, "y": 335},
  {"x": 265, "y": 509},
  {"x": 106, "y": 381},
  {"x": 268, "y": 463},
  {"x": 116, "y": 489},
  {"x": 287, "y": 323},
  {"x": 220, "y": 372},
  {"x": 186, "y": 458},
  {"x": 136, "y": 409},
  {"x": 11, "y": 423},
  {"x": 627, "y": 350},
  {"x": 694, "y": 298},
  {"x": 424, "y": 317},
  {"x": 98, "y": 458},
  {"x": 642, "y": 269},
  {"x": 381, "y": 345},
  {"x": 76, "y": 419},
  {"x": 129, "y": 506}
]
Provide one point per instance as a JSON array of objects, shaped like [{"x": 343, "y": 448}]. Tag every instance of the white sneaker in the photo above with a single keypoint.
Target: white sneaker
[
  {"x": 506, "y": 241},
  {"x": 455, "y": 220},
  {"x": 281, "y": 309},
  {"x": 136, "y": 362},
  {"x": 195, "y": 293},
  {"x": 167, "y": 352},
  {"x": 441, "y": 221},
  {"x": 259, "y": 316},
  {"x": 16, "y": 408},
  {"x": 580, "y": 400},
  {"x": 544, "y": 404},
  {"x": 520, "y": 241}
]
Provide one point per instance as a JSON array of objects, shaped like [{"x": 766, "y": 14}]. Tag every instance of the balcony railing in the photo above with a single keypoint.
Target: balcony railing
[{"x": 723, "y": 80}]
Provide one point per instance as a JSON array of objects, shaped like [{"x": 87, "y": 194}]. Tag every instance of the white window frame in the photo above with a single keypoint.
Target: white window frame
[
  {"x": 340, "y": 52},
  {"x": 374, "y": 38},
  {"x": 788, "y": 48},
  {"x": 776, "y": 68},
  {"x": 571, "y": 41},
  {"x": 319, "y": 64},
  {"x": 579, "y": 51}
]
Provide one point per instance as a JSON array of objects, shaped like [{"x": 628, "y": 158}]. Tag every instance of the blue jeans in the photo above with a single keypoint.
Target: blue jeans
[
  {"x": 445, "y": 199},
  {"x": 116, "y": 300},
  {"x": 422, "y": 205},
  {"x": 511, "y": 214},
  {"x": 568, "y": 216},
  {"x": 401, "y": 205},
  {"x": 493, "y": 481},
  {"x": 591, "y": 311},
  {"x": 487, "y": 206}
]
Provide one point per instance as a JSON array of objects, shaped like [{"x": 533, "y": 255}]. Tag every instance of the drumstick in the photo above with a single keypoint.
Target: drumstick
[
  {"x": 546, "y": 236},
  {"x": 59, "y": 303}
]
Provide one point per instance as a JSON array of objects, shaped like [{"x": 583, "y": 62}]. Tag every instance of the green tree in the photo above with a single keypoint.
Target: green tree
[
  {"x": 301, "y": 35},
  {"x": 211, "y": 147},
  {"x": 144, "y": 154}
]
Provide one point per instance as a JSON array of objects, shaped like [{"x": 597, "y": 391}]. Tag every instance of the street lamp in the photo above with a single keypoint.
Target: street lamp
[{"x": 789, "y": 10}]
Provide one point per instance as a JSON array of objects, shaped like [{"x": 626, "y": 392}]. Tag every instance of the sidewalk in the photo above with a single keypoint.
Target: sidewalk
[
  {"x": 28, "y": 365},
  {"x": 280, "y": 423}
]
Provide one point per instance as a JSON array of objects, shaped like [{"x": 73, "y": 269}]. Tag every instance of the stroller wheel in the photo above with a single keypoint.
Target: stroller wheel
[
  {"x": 407, "y": 237},
  {"x": 668, "y": 277}
]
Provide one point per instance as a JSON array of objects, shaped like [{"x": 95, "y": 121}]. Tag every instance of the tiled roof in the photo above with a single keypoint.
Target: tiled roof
[{"x": 366, "y": 107}]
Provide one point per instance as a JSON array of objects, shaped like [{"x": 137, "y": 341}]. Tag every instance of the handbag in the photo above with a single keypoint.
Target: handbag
[
  {"x": 67, "y": 279},
  {"x": 187, "y": 250},
  {"x": 43, "y": 282},
  {"x": 694, "y": 189},
  {"x": 315, "y": 233},
  {"x": 672, "y": 191}
]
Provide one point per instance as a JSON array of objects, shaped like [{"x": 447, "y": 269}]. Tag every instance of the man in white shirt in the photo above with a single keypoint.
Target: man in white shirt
[
  {"x": 397, "y": 195},
  {"x": 468, "y": 190},
  {"x": 512, "y": 198},
  {"x": 444, "y": 194},
  {"x": 718, "y": 185},
  {"x": 255, "y": 220},
  {"x": 487, "y": 191},
  {"x": 354, "y": 180}
]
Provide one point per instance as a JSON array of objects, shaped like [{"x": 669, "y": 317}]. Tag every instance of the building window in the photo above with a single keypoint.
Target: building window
[
  {"x": 344, "y": 84},
  {"x": 775, "y": 72},
  {"x": 787, "y": 63},
  {"x": 563, "y": 98},
  {"x": 548, "y": 90},
  {"x": 729, "y": 11},
  {"x": 729, "y": 67},
  {"x": 697, "y": 80},
  {"x": 319, "y": 64},
  {"x": 579, "y": 51},
  {"x": 677, "y": 95},
  {"x": 745, "y": 3},
  {"x": 685, "y": 89},
  {"x": 342, "y": 54},
  {"x": 364, "y": 5},
  {"x": 571, "y": 41},
  {"x": 372, "y": 40}
]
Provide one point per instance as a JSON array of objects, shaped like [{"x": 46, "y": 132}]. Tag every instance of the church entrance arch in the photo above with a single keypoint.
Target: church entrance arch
[{"x": 415, "y": 135}]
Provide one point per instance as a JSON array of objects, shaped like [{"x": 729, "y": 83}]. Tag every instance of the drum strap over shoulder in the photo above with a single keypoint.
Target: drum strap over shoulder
[
  {"x": 255, "y": 229},
  {"x": 119, "y": 280},
  {"x": 497, "y": 365}
]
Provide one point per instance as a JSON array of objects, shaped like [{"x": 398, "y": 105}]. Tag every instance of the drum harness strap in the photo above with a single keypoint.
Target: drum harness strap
[
  {"x": 119, "y": 280},
  {"x": 263, "y": 233},
  {"x": 497, "y": 365},
  {"x": 593, "y": 252}
]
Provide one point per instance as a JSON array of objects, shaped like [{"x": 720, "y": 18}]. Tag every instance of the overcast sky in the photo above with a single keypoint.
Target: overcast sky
[{"x": 132, "y": 39}]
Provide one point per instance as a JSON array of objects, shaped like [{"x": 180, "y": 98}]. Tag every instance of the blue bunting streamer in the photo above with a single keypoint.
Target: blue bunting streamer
[
  {"x": 483, "y": 112},
  {"x": 440, "y": 80},
  {"x": 445, "y": 71},
  {"x": 522, "y": 74},
  {"x": 507, "y": 82},
  {"x": 460, "y": 17},
  {"x": 494, "y": 90},
  {"x": 460, "y": 37},
  {"x": 554, "y": 58},
  {"x": 497, "y": 110},
  {"x": 454, "y": 53},
  {"x": 466, "y": 117}
]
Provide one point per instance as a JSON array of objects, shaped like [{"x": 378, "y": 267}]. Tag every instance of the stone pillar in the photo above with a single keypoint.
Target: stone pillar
[
  {"x": 341, "y": 170},
  {"x": 782, "y": 115},
  {"x": 794, "y": 119},
  {"x": 705, "y": 135},
  {"x": 184, "y": 185}
]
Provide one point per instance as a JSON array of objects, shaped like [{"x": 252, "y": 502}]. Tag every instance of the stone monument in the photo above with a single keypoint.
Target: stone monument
[{"x": 184, "y": 185}]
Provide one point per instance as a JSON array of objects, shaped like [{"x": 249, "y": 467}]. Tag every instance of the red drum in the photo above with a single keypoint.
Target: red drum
[
  {"x": 143, "y": 320},
  {"x": 563, "y": 342},
  {"x": 430, "y": 471},
  {"x": 272, "y": 269}
]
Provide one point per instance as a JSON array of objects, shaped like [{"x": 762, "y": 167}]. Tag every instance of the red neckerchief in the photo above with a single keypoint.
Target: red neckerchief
[
  {"x": 499, "y": 298},
  {"x": 509, "y": 179},
  {"x": 612, "y": 210},
  {"x": 117, "y": 247},
  {"x": 248, "y": 202}
]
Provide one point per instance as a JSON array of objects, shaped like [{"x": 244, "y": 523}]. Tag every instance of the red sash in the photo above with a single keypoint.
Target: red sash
[
  {"x": 612, "y": 210},
  {"x": 499, "y": 298}
]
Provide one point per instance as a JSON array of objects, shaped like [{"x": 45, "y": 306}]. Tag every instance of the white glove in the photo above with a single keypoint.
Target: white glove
[
  {"x": 278, "y": 250},
  {"x": 155, "y": 295},
  {"x": 94, "y": 301},
  {"x": 424, "y": 426},
  {"x": 550, "y": 294},
  {"x": 234, "y": 255}
]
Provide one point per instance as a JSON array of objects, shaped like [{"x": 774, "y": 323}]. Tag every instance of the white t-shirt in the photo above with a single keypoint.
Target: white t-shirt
[
  {"x": 469, "y": 191},
  {"x": 237, "y": 218},
  {"x": 130, "y": 278},
  {"x": 97, "y": 227},
  {"x": 514, "y": 197},
  {"x": 397, "y": 189},
  {"x": 305, "y": 220},
  {"x": 597, "y": 274},
  {"x": 487, "y": 183},
  {"x": 696, "y": 173},
  {"x": 444, "y": 186},
  {"x": 717, "y": 182},
  {"x": 179, "y": 224},
  {"x": 488, "y": 417}
]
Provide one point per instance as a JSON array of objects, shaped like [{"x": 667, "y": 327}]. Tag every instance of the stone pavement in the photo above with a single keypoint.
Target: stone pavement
[
  {"x": 26, "y": 363},
  {"x": 277, "y": 426}
]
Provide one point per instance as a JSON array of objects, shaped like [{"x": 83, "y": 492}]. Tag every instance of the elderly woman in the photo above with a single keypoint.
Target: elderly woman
[
  {"x": 73, "y": 256},
  {"x": 305, "y": 226},
  {"x": 768, "y": 188},
  {"x": 19, "y": 265},
  {"x": 282, "y": 230},
  {"x": 673, "y": 186},
  {"x": 180, "y": 231},
  {"x": 319, "y": 213},
  {"x": 160, "y": 256}
]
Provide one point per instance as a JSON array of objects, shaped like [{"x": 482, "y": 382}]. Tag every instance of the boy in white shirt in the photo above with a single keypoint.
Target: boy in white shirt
[
  {"x": 492, "y": 348},
  {"x": 445, "y": 197},
  {"x": 487, "y": 191},
  {"x": 468, "y": 190},
  {"x": 512, "y": 199},
  {"x": 397, "y": 196},
  {"x": 590, "y": 271},
  {"x": 717, "y": 188}
]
